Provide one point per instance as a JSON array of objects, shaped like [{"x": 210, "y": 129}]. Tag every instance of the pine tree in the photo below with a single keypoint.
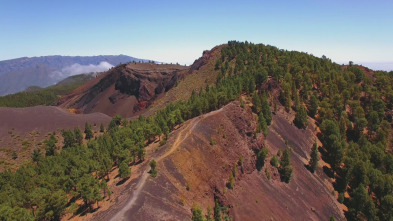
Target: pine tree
[
  {"x": 261, "y": 156},
  {"x": 124, "y": 170},
  {"x": 285, "y": 168},
  {"x": 102, "y": 128},
  {"x": 78, "y": 136},
  {"x": 301, "y": 117},
  {"x": 50, "y": 145},
  {"x": 314, "y": 158},
  {"x": 88, "y": 131},
  {"x": 36, "y": 156},
  {"x": 256, "y": 102},
  {"x": 153, "y": 168},
  {"x": 267, "y": 113},
  {"x": 262, "y": 125},
  {"x": 69, "y": 138}
]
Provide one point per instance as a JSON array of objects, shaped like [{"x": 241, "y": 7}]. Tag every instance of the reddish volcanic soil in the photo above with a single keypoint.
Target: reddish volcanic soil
[
  {"x": 45, "y": 119},
  {"x": 126, "y": 89},
  {"x": 307, "y": 196},
  {"x": 201, "y": 154}
]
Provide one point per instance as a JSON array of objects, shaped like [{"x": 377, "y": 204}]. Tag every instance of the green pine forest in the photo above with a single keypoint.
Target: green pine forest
[{"x": 352, "y": 109}]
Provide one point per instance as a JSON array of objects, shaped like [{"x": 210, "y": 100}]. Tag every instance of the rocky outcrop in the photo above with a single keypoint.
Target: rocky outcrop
[
  {"x": 206, "y": 57},
  {"x": 146, "y": 84},
  {"x": 125, "y": 89}
]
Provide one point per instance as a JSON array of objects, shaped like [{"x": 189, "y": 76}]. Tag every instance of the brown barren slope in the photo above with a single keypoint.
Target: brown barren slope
[
  {"x": 189, "y": 159},
  {"x": 126, "y": 89}
]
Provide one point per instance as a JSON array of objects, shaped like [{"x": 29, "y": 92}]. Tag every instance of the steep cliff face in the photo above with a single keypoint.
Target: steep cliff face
[
  {"x": 146, "y": 83},
  {"x": 126, "y": 90}
]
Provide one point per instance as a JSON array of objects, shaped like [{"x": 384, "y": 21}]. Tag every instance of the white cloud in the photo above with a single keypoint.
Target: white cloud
[{"x": 80, "y": 69}]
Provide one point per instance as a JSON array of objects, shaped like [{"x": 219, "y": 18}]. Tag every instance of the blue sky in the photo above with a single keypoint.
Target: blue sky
[{"x": 178, "y": 31}]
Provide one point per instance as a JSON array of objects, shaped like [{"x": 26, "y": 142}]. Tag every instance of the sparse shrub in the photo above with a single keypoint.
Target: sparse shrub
[
  {"x": 241, "y": 103},
  {"x": 212, "y": 141},
  {"x": 163, "y": 142},
  {"x": 267, "y": 174},
  {"x": 188, "y": 186},
  {"x": 274, "y": 161},
  {"x": 231, "y": 182},
  {"x": 241, "y": 161},
  {"x": 14, "y": 155},
  {"x": 25, "y": 143},
  {"x": 234, "y": 170}
]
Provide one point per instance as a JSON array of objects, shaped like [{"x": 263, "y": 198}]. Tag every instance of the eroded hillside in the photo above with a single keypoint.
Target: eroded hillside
[
  {"x": 195, "y": 165},
  {"x": 126, "y": 89}
]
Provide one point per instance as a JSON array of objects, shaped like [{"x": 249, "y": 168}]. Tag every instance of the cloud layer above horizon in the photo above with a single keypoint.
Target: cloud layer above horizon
[{"x": 76, "y": 69}]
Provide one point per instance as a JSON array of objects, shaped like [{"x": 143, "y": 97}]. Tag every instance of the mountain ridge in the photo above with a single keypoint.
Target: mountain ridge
[
  {"x": 20, "y": 73},
  {"x": 268, "y": 105}
]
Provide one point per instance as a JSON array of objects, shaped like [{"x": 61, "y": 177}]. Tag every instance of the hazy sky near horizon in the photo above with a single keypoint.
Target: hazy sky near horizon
[{"x": 179, "y": 31}]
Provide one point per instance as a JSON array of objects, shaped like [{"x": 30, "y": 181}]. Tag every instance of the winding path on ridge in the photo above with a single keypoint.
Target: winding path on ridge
[{"x": 181, "y": 136}]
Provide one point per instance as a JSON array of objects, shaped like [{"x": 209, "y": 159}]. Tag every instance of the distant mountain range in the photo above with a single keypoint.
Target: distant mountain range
[{"x": 19, "y": 74}]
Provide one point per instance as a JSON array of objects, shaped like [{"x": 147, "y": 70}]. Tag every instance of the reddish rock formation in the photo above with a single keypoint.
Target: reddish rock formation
[{"x": 126, "y": 89}]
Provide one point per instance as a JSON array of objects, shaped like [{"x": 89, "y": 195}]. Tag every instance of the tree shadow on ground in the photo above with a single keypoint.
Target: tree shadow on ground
[{"x": 122, "y": 181}]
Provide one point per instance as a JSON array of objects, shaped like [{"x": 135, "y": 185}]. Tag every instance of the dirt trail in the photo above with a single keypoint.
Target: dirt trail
[{"x": 183, "y": 134}]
